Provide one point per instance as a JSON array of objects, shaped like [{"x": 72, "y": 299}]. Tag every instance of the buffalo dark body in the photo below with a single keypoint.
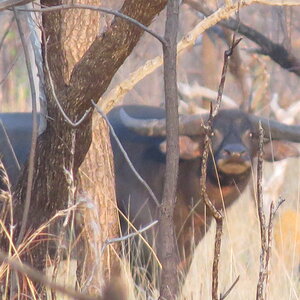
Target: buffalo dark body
[
  {"x": 15, "y": 141},
  {"x": 234, "y": 146},
  {"x": 149, "y": 160}
]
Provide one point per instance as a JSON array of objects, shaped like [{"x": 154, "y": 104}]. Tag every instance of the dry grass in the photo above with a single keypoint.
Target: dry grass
[
  {"x": 239, "y": 254},
  {"x": 241, "y": 250}
]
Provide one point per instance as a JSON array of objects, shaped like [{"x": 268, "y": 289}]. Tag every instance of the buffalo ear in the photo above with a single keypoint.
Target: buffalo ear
[
  {"x": 278, "y": 150},
  {"x": 188, "y": 149}
]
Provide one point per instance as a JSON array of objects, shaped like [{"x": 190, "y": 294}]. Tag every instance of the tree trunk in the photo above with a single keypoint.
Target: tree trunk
[
  {"x": 168, "y": 252},
  {"x": 61, "y": 149},
  {"x": 100, "y": 215}
]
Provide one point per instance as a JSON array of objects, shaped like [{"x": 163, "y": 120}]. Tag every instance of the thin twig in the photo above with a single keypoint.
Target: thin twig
[
  {"x": 97, "y": 8},
  {"x": 128, "y": 236},
  {"x": 273, "y": 210},
  {"x": 223, "y": 296},
  {"x": 112, "y": 131},
  {"x": 260, "y": 292},
  {"x": 227, "y": 55},
  {"x": 34, "y": 131},
  {"x": 218, "y": 216},
  {"x": 117, "y": 94},
  {"x": 37, "y": 53},
  {"x": 277, "y": 2},
  {"x": 10, "y": 4},
  {"x": 277, "y": 52}
]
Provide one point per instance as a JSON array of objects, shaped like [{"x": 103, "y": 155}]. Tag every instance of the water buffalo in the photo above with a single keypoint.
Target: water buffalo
[
  {"x": 141, "y": 130},
  {"x": 15, "y": 140}
]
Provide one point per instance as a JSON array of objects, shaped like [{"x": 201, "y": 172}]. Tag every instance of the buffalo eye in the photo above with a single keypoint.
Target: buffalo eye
[
  {"x": 249, "y": 134},
  {"x": 247, "y": 137}
]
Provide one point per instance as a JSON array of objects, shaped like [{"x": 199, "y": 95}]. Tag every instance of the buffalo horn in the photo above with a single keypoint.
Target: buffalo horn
[
  {"x": 188, "y": 125},
  {"x": 276, "y": 130}
]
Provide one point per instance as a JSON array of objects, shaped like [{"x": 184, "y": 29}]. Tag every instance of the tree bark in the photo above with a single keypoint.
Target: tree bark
[
  {"x": 100, "y": 216},
  {"x": 90, "y": 77},
  {"x": 168, "y": 252}
]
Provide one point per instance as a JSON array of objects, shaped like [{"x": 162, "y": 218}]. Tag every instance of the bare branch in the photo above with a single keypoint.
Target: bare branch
[
  {"x": 223, "y": 296},
  {"x": 34, "y": 131},
  {"x": 261, "y": 285},
  {"x": 97, "y": 8},
  {"x": 67, "y": 119},
  {"x": 265, "y": 230},
  {"x": 128, "y": 236},
  {"x": 37, "y": 53},
  {"x": 218, "y": 216},
  {"x": 197, "y": 91},
  {"x": 227, "y": 55},
  {"x": 277, "y": 2},
  {"x": 276, "y": 52},
  {"x": 116, "y": 95},
  {"x": 8, "y": 4}
]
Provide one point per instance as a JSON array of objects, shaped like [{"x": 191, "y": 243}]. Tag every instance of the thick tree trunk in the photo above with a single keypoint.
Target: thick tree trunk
[{"x": 56, "y": 161}]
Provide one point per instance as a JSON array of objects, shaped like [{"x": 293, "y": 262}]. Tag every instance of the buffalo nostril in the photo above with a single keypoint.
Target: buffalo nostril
[
  {"x": 235, "y": 150},
  {"x": 227, "y": 152},
  {"x": 236, "y": 154}
]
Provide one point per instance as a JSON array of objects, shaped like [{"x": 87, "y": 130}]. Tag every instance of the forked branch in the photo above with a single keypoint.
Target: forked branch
[{"x": 218, "y": 215}]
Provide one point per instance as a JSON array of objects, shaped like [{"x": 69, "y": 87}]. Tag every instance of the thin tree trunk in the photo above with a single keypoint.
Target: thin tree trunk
[{"x": 168, "y": 250}]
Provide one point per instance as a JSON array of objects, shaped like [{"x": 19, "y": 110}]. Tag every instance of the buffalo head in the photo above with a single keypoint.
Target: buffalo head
[{"x": 234, "y": 138}]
